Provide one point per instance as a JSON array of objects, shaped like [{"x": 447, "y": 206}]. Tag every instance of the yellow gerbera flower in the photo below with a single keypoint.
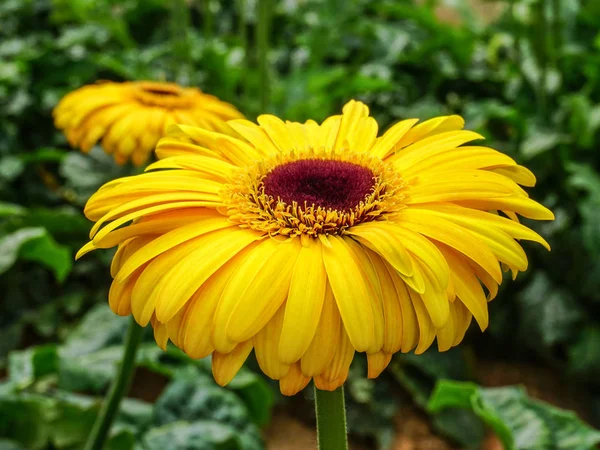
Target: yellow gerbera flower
[
  {"x": 131, "y": 117},
  {"x": 308, "y": 242}
]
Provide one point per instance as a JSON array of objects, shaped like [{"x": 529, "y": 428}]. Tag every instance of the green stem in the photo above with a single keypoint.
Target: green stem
[
  {"x": 331, "y": 419},
  {"x": 262, "y": 42},
  {"x": 118, "y": 389}
]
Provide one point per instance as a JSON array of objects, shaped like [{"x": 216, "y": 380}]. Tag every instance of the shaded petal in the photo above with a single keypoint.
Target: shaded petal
[
  {"x": 225, "y": 366},
  {"x": 293, "y": 381},
  {"x": 258, "y": 288},
  {"x": 266, "y": 347},
  {"x": 177, "y": 285},
  {"x": 352, "y": 291},
  {"x": 304, "y": 302},
  {"x": 322, "y": 348}
]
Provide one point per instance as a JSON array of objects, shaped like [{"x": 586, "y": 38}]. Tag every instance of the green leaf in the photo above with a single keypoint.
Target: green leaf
[
  {"x": 549, "y": 314},
  {"x": 11, "y": 244},
  {"x": 99, "y": 328},
  {"x": 35, "y": 244},
  {"x": 10, "y": 168},
  {"x": 207, "y": 435},
  {"x": 519, "y": 422},
  {"x": 26, "y": 366},
  {"x": 10, "y": 209},
  {"x": 539, "y": 141},
  {"x": 26, "y": 419},
  {"x": 194, "y": 397},
  {"x": 48, "y": 252},
  {"x": 91, "y": 372},
  {"x": 6, "y": 444},
  {"x": 255, "y": 393},
  {"x": 584, "y": 354},
  {"x": 85, "y": 173},
  {"x": 44, "y": 154},
  {"x": 10, "y": 336}
]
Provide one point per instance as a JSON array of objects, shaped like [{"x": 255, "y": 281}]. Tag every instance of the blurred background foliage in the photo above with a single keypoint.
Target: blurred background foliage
[{"x": 524, "y": 73}]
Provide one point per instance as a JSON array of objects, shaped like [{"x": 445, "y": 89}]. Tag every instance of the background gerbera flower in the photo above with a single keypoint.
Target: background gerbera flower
[
  {"x": 131, "y": 117},
  {"x": 308, "y": 242}
]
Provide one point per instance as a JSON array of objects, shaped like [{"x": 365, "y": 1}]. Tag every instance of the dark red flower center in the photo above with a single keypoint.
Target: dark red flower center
[{"x": 327, "y": 183}]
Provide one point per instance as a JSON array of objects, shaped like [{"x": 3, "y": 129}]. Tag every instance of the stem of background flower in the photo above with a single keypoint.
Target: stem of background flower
[
  {"x": 262, "y": 42},
  {"x": 331, "y": 419},
  {"x": 118, "y": 389}
]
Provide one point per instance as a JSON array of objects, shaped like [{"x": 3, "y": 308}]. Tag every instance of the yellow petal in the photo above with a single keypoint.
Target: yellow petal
[
  {"x": 430, "y": 146},
  {"x": 258, "y": 288},
  {"x": 256, "y": 135},
  {"x": 344, "y": 354},
  {"x": 364, "y": 263},
  {"x": 386, "y": 144},
  {"x": 380, "y": 238},
  {"x": 294, "y": 381},
  {"x": 461, "y": 185},
  {"x": 225, "y": 366},
  {"x": 170, "y": 240},
  {"x": 426, "y": 329},
  {"x": 521, "y": 205},
  {"x": 468, "y": 289},
  {"x": 186, "y": 276},
  {"x": 160, "y": 334},
  {"x": 142, "y": 303},
  {"x": 410, "y": 325},
  {"x": 322, "y": 348},
  {"x": 353, "y": 293},
  {"x": 197, "y": 324},
  {"x": 266, "y": 347},
  {"x": 468, "y": 157},
  {"x": 377, "y": 362},
  {"x": 463, "y": 216},
  {"x": 392, "y": 314},
  {"x": 364, "y": 136},
  {"x": 304, "y": 303},
  {"x": 328, "y": 131},
  {"x": 518, "y": 174},
  {"x": 444, "y": 231},
  {"x": 277, "y": 131},
  {"x": 430, "y": 128},
  {"x": 352, "y": 112},
  {"x": 447, "y": 334},
  {"x": 434, "y": 298}
]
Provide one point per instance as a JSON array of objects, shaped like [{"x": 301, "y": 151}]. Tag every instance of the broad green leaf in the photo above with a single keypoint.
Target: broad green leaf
[
  {"x": 540, "y": 141},
  {"x": 26, "y": 366},
  {"x": 207, "y": 435},
  {"x": 35, "y": 244},
  {"x": 549, "y": 314},
  {"x": 519, "y": 422},
  {"x": 584, "y": 354},
  {"x": 26, "y": 419},
  {"x": 99, "y": 328},
  {"x": 10, "y": 209},
  {"x": 6, "y": 444},
  {"x": 255, "y": 393},
  {"x": 48, "y": 252},
  {"x": 10, "y": 168},
  {"x": 196, "y": 398},
  {"x": 11, "y": 244}
]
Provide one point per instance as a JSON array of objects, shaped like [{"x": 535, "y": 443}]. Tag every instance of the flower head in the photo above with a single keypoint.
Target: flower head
[
  {"x": 131, "y": 117},
  {"x": 308, "y": 242}
]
